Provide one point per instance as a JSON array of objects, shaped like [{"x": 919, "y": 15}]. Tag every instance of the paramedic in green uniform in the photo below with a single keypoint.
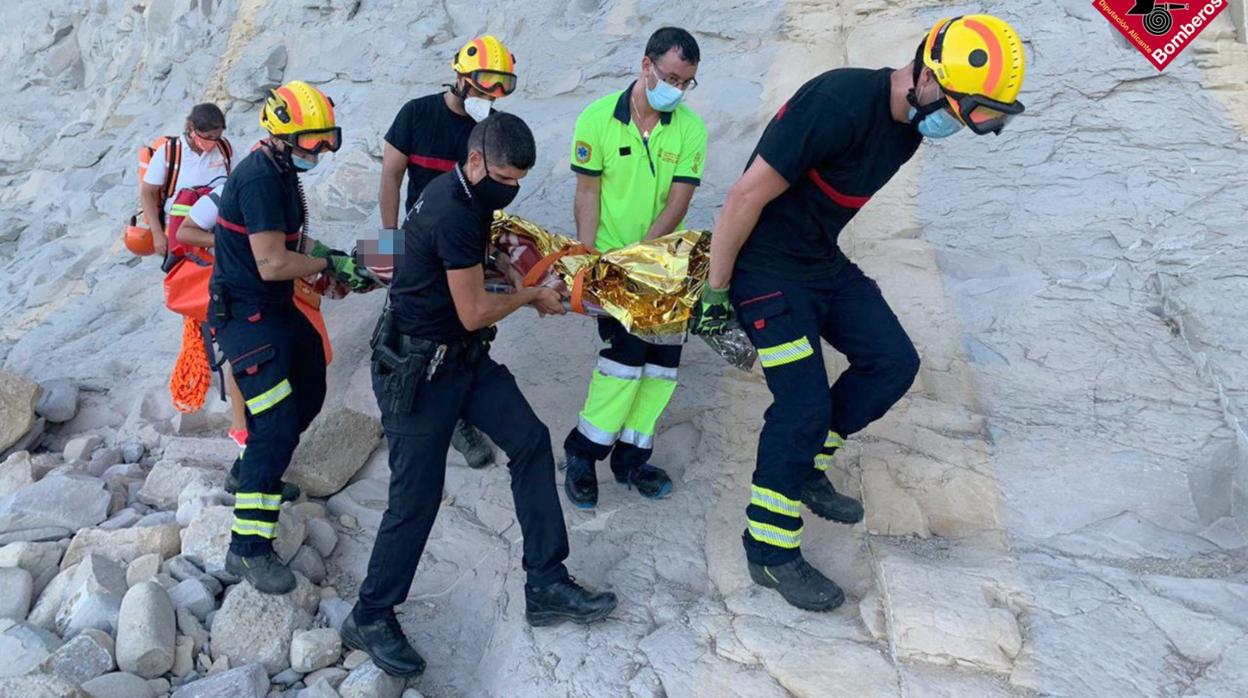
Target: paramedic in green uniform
[{"x": 638, "y": 155}]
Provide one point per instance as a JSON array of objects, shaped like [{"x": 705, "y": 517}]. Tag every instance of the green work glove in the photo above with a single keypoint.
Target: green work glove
[
  {"x": 322, "y": 251},
  {"x": 344, "y": 269},
  {"x": 714, "y": 312}
]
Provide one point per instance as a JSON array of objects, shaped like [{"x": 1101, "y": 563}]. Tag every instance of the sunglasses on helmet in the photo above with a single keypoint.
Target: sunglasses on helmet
[{"x": 317, "y": 141}]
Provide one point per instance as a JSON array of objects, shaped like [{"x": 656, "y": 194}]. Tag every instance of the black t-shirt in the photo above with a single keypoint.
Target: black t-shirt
[
  {"x": 257, "y": 198},
  {"x": 836, "y": 143},
  {"x": 433, "y": 138},
  {"x": 447, "y": 229}
]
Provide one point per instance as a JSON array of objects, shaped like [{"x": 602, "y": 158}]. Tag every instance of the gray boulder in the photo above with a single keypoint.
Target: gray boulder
[
  {"x": 40, "y": 686},
  {"x": 367, "y": 681},
  {"x": 59, "y": 401},
  {"x": 16, "y": 472},
  {"x": 81, "y": 448},
  {"x": 322, "y": 536},
  {"x": 41, "y": 560},
  {"x": 92, "y": 597},
  {"x": 125, "y": 545},
  {"x": 57, "y": 501},
  {"x": 194, "y": 596},
  {"x": 50, "y": 600},
  {"x": 169, "y": 479},
  {"x": 143, "y": 568},
  {"x": 309, "y": 563},
  {"x": 311, "y": 650},
  {"x": 208, "y": 537},
  {"x": 252, "y": 627},
  {"x": 249, "y": 681},
  {"x": 119, "y": 685},
  {"x": 16, "y": 589},
  {"x": 332, "y": 450},
  {"x": 146, "y": 631},
  {"x": 83, "y": 658},
  {"x": 24, "y": 646}
]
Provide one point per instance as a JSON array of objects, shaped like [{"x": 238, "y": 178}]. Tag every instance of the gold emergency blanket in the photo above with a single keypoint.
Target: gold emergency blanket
[{"x": 650, "y": 287}]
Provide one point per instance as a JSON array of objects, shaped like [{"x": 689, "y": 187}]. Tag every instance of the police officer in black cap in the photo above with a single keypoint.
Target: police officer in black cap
[{"x": 431, "y": 367}]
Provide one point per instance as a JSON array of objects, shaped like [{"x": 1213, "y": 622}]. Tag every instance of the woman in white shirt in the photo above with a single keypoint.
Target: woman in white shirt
[{"x": 204, "y": 159}]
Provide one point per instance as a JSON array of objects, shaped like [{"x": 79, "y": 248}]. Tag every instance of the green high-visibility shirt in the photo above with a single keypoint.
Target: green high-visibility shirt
[{"x": 636, "y": 174}]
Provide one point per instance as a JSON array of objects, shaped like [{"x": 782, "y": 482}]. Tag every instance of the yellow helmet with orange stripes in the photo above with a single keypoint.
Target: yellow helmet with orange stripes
[
  {"x": 487, "y": 65},
  {"x": 303, "y": 116},
  {"x": 978, "y": 62}
]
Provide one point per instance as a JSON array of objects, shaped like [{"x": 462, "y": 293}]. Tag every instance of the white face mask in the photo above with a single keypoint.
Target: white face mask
[{"x": 478, "y": 108}]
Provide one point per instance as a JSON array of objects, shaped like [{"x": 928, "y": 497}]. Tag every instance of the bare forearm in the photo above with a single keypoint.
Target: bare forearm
[
  {"x": 191, "y": 234},
  {"x": 289, "y": 266},
  {"x": 587, "y": 210},
  {"x": 736, "y": 222},
  {"x": 666, "y": 223},
  {"x": 151, "y": 212},
  {"x": 389, "y": 200},
  {"x": 493, "y": 307}
]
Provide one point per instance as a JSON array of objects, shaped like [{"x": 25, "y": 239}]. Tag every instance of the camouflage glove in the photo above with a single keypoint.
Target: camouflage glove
[
  {"x": 714, "y": 312},
  {"x": 343, "y": 267}
]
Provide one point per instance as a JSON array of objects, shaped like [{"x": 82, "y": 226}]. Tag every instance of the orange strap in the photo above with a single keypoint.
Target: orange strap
[
  {"x": 534, "y": 277},
  {"x": 188, "y": 385},
  {"x": 578, "y": 292}
]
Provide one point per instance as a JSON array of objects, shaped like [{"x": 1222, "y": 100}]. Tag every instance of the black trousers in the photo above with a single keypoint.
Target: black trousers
[
  {"x": 279, "y": 362},
  {"x": 786, "y": 320},
  {"x": 485, "y": 394}
]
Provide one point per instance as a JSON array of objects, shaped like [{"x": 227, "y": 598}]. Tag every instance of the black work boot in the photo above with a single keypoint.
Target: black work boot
[
  {"x": 566, "y": 600},
  {"x": 800, "y": 584},
  {"x": 383, "y": 639},
  {"x": 289, "y": 492},
  {"x": 651, "y": 482},
  {"x": 825, "y": 502},
  {"x": 471, "y": 444},
  {"x": 265, "y": 572},
  {"x": 580, "y": 483}
]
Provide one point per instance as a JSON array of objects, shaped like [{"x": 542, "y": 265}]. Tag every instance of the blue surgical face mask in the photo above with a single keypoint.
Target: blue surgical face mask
[
  {"x": 664, "y": 97},
  {"x": 938, "y": 124},
  {"x": 303, "y": 165}
]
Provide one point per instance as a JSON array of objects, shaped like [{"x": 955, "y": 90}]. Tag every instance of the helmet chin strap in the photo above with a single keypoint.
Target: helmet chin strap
[{"x": 920, "y": 110}]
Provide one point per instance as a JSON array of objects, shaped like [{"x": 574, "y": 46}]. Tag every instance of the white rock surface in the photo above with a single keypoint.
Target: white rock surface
[
  {"x": 59, "y": 401},
  {"x": 252, "y": 627},
  {"x": 367, "y": 681},
  {"x": 146, "y": 631},
  {"x": 59, "y": 501},
  {"x": 143, "y": 568},
  {"x": 331, "y": 676},
  {"x": 311, "y": 650},
  {"x": 24, "y": 646},
  {"x": 170, "y": 479},
  {"x": 16, "y": 590},
  {"x": 332, "y": 450},
  {"x": 244, "y": 682},
  {"x": 118, "y": 685},
  {"x": 192, "y": 595},
  {"x": 81, "y": 448},
  {"x": 125, "y": 545},
  {"x": 49, "y": 602},
  {"x": 16, "y": 472},
  {"x": 86, "y": 656},
  {"x": 92, "y": 596},
  {"x": 40, "y": 686}
]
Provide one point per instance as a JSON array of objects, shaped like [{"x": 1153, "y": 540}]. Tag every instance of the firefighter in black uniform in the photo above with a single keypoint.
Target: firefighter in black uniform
[
  {"x": 431, "y": 367},
  {"x": 275, "y": 353},
  {"x": 836, "y": 142}
]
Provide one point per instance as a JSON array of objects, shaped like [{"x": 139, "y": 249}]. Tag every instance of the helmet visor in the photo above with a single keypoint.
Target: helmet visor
[
  {"x": 318, "y": 141},
  {"x": 984, "y": 115},
  {"x": 492, "y": 82}
]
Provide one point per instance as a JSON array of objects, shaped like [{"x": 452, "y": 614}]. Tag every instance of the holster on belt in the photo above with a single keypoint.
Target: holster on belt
[{"x": 400, "y": 372}]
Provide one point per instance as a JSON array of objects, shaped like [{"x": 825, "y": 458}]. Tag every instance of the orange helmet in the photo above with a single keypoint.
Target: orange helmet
[
  {"x": 138, "y": 239},
  {"x": 487, "y": 65}
]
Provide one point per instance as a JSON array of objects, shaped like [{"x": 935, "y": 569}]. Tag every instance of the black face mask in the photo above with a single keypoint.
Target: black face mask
[{"x": 492, "y": 193}]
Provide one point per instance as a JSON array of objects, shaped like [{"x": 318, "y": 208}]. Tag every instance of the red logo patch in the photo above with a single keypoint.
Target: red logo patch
[{"x": 1160, "y": 30}]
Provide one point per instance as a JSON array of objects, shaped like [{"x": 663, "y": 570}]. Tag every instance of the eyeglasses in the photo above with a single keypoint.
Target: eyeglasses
[
  {"x": 685, "y": 85},
  {"x": 317, "y": 141}
]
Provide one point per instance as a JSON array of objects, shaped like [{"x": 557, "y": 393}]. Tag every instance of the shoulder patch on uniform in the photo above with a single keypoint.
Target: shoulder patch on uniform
[{"x": 583, "y": 152}]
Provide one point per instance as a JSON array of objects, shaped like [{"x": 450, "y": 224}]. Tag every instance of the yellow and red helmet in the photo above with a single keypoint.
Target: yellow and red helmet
[
  {"x": 487, "y": 65},
  {"x": 302, "y": 116},
  {"x": 979, "y": 63}
]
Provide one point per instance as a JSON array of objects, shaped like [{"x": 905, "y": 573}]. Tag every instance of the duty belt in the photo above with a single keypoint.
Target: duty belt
[{"x": 467, "y": 350}]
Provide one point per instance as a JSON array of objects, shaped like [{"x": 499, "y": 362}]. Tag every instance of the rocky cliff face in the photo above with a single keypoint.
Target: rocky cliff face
[{"x": 1058, "y": 507}]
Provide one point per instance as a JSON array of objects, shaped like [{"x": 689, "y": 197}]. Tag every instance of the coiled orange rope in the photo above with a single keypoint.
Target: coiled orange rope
[{"x": 188, "y": 385}]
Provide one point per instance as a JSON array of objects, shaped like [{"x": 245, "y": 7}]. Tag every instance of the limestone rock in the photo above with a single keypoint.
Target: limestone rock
[
  {"x": 194, "y": 596},
  {"x": 367, "y": 681},
  {"x": 354, "y": 659},
  {"x": 320, "y": 689},
  {"x": 286, "y": 678},
  {"x": 183, "y": 656},
  {"x": 16, "y": 472},
  {"x": 208, "y": 537},
  {"x": 59, "y": 501},
  {"x": 92, "y": 597},
  {"x": 50, "y": 600},
  {"x": 125, "y": 545},
  {"x": 337, "y": 445},
  {"x": 81, "y": 448},
  {"x": 189, "y": 626},
  {"x": 42, "y": 560},
  {"x": 132, "y": 452},
  {"x": 18, "y": 397},
  {"x": 183, "y": 567},
  {"x": 40, "y": 686},
  {"x": 16, "y": 589},
  {"x": 24, "y": 646},
  {"x": 88, "y": 655},
  {"x": 146, "y": 631},
  {"x": 335, "y": 611},
  {"x": 248, "y": 681},
  {"x": 364, "y": 501},
  {"x": 143, "y": 568},
  {"x": 170, "y": 479},
  {"x": 332, "y": 676},
  {"x": 252, "y": 627},
  {"x": 308, "y": 563},
  {"x": 315, "y": 649},
  {"x": 118, "y": 685},
  {"x": 102, "y": 460},
  {"x": 321, "y": 536},
  {"x": 59, "y": 401}
]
